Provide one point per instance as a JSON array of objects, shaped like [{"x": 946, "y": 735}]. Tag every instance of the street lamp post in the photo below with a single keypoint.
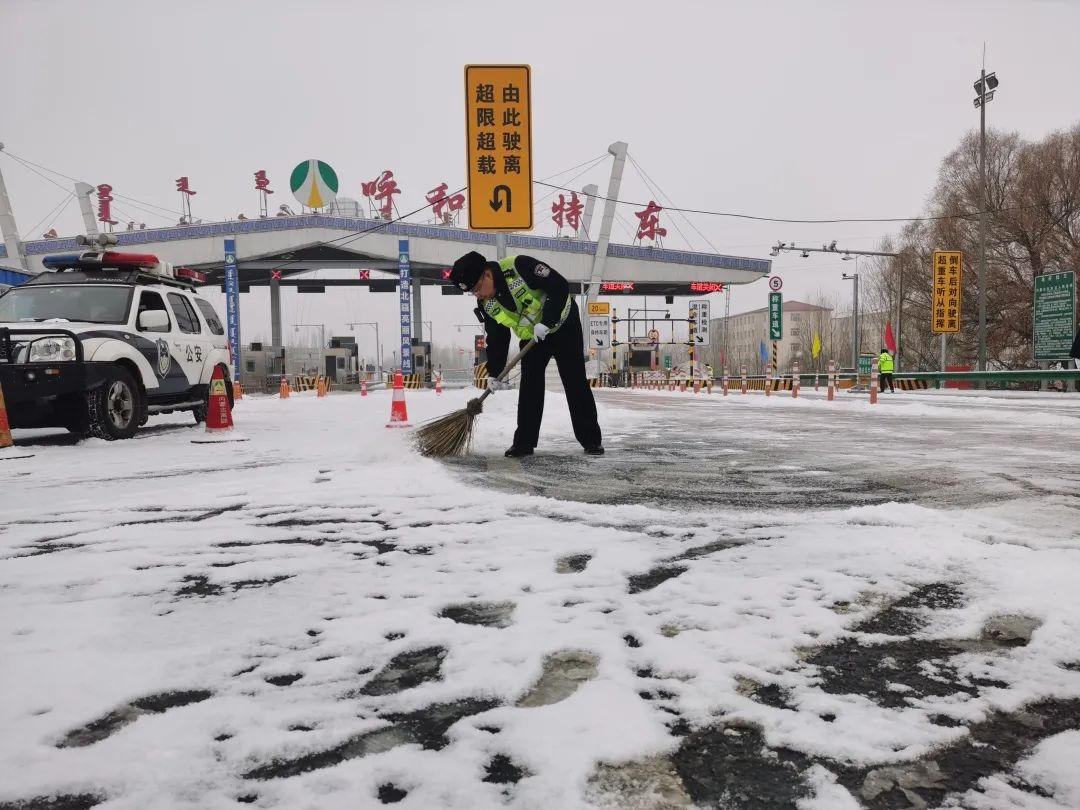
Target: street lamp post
[
  {"x": 854, "y": 316},
  {"x": 984, "y": 87},
  {"x": 378, "y": 343}
]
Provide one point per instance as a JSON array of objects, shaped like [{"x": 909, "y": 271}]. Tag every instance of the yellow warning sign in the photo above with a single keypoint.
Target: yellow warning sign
[
  {"x": 498, "y": 147},
  {"x": 948, "y": 274},
  {"x": 599, "y": 308}
]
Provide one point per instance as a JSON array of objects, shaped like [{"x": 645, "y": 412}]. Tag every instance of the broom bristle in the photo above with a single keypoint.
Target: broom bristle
[{"x": 448, "y": 435}]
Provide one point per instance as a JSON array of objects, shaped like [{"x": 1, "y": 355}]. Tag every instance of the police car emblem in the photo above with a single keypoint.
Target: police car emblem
[
  {"x": 164, "y": 358},
  {"x": 542, "y": 270}
]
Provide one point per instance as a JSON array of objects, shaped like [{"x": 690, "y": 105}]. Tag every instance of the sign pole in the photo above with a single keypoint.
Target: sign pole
[{"x": 232, "y": 306}]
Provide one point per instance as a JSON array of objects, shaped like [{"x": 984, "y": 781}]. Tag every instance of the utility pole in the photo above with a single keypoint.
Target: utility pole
[{"x": 984, "y": 87}]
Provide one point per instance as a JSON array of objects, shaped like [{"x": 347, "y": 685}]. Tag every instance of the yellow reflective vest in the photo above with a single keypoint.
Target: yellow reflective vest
[
  {"x": 885, "y": 363},
  {"x": 530, "y": 304}
]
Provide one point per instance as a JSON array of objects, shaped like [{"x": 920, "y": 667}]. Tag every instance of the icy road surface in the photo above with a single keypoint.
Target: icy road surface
[{"x": 747, "y": 603}]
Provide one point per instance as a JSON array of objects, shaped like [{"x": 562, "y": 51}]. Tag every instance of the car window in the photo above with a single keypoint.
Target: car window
[
  {"x": 148, "y": 301},
  {"x": 92, "y": 304},
  {"x": 212, "y": 320},
  {"x": 186, "y": 318}
]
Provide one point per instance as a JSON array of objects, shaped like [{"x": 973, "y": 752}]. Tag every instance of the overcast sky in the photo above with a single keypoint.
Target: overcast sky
[{"x": 802, "y": 110}]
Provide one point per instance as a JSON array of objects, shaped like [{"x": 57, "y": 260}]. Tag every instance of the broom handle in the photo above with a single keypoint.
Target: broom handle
[{"x": 510, "y": 366}]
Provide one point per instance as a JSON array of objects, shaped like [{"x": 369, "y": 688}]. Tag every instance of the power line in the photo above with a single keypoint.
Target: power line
[
  {"x": 595, "y": 163},
  {"x": 29, "y": 163},
  {"x": 641, "y": 169},
  {"x": 57, "y": 209},
  {"x": 967, "y": 215},
  {"x": 649, "y": 184}
]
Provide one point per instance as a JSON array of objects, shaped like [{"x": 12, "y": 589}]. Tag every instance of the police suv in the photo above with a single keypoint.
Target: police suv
[{"x": 106, "y": 341}]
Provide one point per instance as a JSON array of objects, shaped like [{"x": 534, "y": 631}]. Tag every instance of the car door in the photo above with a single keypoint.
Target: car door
[
  {"x": 192, "y": 343},
  {"x": 159, "y": 347}
]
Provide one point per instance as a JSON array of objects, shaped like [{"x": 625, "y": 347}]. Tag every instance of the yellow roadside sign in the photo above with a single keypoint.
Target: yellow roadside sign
[
  {"x": 498, "y": 147},
  {"x": 948, "y": 268},
  {"x": 599, "y": 308}
]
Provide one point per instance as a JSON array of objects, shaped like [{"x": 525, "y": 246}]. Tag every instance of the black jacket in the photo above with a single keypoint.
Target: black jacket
[{"x": 548, "y": 281}]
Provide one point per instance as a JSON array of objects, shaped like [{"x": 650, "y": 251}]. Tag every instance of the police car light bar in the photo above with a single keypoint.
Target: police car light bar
[{"x": 93, "y": 260}]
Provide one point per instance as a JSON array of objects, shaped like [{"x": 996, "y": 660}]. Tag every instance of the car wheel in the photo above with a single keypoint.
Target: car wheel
[{"x": 113, "y": 410}]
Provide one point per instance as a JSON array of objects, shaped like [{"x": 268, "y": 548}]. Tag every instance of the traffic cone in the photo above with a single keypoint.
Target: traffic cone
[
  {"x": 8, "y": 451},
  {"x": 320, "y": 389},
  {"x": 238, "y": 391},
  {"x": 363, "y": 388},
  {"x": 283, "y": 389},
  {"x": 438, "y": 384},
  {"x": 399, "y": 416},
  {"x": 219, "y": 422}
]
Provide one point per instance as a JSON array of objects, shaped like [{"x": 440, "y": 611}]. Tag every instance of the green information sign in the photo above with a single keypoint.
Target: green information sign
[
  {"x": 865, "y": 361},
  {"x": 667, "y": 361},
  {"x": 776, "y": 316},
  {"x": 1055, "y": 315}
]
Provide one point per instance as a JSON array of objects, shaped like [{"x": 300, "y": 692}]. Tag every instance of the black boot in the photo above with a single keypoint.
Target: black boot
[
  {"x": 594, "y": 450},
  {"x": 518, "y": 452}
]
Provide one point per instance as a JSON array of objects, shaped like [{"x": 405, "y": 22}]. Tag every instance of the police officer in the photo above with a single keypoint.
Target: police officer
[
  {"x": 885, "y": 366},
  {"x": 522, "y": 295}
]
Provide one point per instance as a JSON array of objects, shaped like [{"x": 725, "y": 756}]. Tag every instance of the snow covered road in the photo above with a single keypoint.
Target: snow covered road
[{"x": 747, "y": 602}]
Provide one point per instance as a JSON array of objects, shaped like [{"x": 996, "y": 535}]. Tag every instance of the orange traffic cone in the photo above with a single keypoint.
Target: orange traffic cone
[
  {"x": 8, "y": 451},
  {"x": 219, "y": 422},
  {"x": 363, "y": 388},
  {"x": 438, "y": 384},
  {"x": 238, "y": 391},
  {"x": 399, "y": 416},
  {"x": 320, "y": 388},
  {"x": 283, "y": 389}
]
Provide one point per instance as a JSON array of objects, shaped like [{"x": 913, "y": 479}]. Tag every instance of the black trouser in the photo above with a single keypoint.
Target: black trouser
[
  {"x": 568, "y": 348},
  {"x": 886, "y": 377}
]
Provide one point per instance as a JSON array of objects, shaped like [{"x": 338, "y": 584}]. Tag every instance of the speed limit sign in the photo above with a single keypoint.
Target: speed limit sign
[{"x": 775, "y": 283}]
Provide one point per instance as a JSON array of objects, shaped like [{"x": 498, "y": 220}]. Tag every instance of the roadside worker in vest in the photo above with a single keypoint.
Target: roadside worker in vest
[
  {"x": 521, "y": 295},
  {"x": 885, "y": 367}
]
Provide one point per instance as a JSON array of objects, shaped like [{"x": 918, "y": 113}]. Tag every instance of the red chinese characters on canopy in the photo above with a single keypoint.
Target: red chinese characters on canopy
[
  {"x": 444, "y": 207},
  {"x": 382, "y": 189},
  {"x": 649, "y": 222},
  {"x": 104, "y": 194},
  {"x": 184, "y": 187},
  {"x": 567, "y": 212},
  {"x": 262, "y": 182}
]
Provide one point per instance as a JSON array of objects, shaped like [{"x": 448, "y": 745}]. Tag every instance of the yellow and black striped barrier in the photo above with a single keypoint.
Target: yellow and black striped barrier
[
  {"x": 910, "y": 385},
  {"x": 480, "y": 376},
  {"x": 307, "y": 382}
]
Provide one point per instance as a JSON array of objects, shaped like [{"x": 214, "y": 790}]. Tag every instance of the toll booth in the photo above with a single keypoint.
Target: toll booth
[
  {"x": 421, "y": 359},
  {"x": 342, "y": 359}
]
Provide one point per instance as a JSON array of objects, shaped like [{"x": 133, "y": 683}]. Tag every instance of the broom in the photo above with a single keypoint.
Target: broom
[{"x": 449, "y": 435}]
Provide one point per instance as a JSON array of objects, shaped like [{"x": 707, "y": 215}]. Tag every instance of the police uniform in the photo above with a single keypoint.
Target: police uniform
[
  {"x": 527, "y": 293},
  {"x": 885, "y": 369}
]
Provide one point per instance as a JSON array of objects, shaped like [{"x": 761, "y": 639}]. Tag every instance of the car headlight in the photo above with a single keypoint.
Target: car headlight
[{"x": 52, "y": 350}]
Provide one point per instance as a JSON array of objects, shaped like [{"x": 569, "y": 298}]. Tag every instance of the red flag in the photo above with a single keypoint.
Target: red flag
[{"x": 890, "y": 341}]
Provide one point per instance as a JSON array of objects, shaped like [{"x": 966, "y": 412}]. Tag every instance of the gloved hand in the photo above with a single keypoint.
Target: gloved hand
[
  {"x": 540, "y": 331},
  {"x": 495, "y": 385}
]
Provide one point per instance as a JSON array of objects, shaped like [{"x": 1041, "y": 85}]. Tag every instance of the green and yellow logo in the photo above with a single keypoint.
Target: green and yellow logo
[{"x": 314, "y": 184}]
